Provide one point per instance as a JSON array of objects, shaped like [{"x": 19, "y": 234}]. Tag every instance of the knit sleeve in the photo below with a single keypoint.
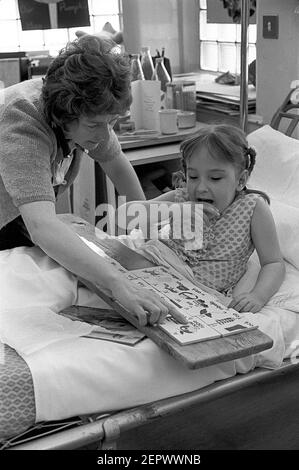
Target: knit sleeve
[
  {"x": 107, "y": 150},
  {"x": 26, "y": 148}
]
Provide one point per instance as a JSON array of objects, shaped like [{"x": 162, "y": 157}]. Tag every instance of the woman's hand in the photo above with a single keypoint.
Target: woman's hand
[
  {"x": 147, "y": 306},
  {"x": 247, "y": 302}
]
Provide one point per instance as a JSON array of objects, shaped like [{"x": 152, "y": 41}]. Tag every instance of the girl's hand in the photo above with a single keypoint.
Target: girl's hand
[
  {"x": 144, "y": 304},
  {"x": 193, "y": 218},
  {"x": 247, "y": 302}
]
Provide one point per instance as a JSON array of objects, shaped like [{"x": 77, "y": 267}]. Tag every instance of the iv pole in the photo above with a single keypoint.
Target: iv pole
[{"x": 244, "y": 65}]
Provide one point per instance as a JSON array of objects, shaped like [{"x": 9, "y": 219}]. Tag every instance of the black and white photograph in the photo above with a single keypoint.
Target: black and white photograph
[{"x": 149, "y": 230}]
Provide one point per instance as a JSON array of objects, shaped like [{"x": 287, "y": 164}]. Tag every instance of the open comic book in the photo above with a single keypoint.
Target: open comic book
[
  {"x": 109, "y": 325},
  {"x": 207, "y": 317}
]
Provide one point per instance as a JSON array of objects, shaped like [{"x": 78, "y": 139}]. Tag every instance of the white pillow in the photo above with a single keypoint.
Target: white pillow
[
  {"x": 287, "y": 224},
  {"x": 277, "y": 165}
]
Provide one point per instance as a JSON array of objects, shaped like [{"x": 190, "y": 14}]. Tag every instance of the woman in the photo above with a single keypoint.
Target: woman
[{"x": 45, "y": 129}]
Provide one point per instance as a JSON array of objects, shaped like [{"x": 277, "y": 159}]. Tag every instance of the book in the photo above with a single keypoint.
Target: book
[
  {"x": 193, "y": 356},
  {"x": 108, "y": 324},
  {"x": 207, "y": 317}
]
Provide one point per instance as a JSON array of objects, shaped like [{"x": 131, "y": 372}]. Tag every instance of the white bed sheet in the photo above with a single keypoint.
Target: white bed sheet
[{"x": 81, "y": 375}]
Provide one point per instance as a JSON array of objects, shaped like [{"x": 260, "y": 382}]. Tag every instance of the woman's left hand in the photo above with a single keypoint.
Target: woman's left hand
[
  {"x": 247, "y": 302},
  {"x": 147, "y": 306}
]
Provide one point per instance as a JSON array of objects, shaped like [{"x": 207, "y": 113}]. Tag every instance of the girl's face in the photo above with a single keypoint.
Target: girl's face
[
  {"x": 212, "y": 180},
  {"x": 89, "y": 132}
]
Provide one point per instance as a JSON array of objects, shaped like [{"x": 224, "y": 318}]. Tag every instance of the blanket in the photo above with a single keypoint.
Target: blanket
[{"x": 77, "y": 375}]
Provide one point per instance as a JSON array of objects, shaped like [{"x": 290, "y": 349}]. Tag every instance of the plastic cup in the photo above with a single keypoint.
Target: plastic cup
[{"x": 168, "y": 121}]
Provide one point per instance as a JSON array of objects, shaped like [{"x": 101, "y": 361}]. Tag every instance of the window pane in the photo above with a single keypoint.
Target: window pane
[
  {"x": 9, "y": 38},
  {"x": 251, "y": 53},
  {"x": 209, "y": 56},
  {"x": 227, "y": 32},
  {"x": 55, "y": 39},
  {"x": 252, "y": 33},
  {"x": 12, "y": 37},
  {"x": 238, "y": 52},
  {"x": 238, "y": 32},
  {"x": 104, "y": 7},
  {"x": 208, "y": 31},
  {"x": 8, "y": 10},
  {"x": 30, "y": 40},
  {"x": 227, "y": 57}
]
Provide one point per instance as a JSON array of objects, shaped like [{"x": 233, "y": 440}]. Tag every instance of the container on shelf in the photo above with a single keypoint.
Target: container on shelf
[
  {"x": 147, "y": 63},
  {"x": 186, "y": 119},
  {"x": 136, "y": 69},
  {"x": 161, "y": 74},
  {"x": 185, "y": 95}
]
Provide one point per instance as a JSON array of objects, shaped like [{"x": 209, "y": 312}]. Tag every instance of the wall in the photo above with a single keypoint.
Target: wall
[
  {"x": 170, "y": 23},
  {"x": 277, "y": 59}
]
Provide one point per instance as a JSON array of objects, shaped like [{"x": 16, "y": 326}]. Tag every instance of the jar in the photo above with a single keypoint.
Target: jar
[
  {"x": 185, "y": 95},
  {"x": 136, "y": 69},
  {"x": 170, "y": 101},
  {"x": 147, "y": 63},
  {"x": 160, "y": 73}
]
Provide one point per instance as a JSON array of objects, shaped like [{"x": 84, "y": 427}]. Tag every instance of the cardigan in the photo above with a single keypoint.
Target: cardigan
[{"x": 30, "y": 150}]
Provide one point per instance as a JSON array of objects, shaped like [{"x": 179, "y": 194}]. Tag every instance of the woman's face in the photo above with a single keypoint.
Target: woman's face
[{"x": 90, "y": 131}]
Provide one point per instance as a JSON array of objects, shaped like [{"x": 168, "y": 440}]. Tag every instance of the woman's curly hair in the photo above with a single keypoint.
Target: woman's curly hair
[{"x": 90, "y": 76}]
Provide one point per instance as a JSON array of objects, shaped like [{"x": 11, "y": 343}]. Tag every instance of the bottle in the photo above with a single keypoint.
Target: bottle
[
  {"x": 136, "y": 69},
  {"x": 160, "y": 73},
  {"x": 170, "y": 101},
  {"x": 188, "y": 100},
  {"x": 147, "y": 63}
]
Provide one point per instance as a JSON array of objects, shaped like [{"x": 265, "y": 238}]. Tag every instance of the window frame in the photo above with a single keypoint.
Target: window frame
[
  {"x": 16, "y": 44},
  {"x": 207, "y": 65}
]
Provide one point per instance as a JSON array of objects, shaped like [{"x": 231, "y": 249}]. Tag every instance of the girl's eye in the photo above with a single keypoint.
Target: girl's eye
[{"x": 214, "y": 178}]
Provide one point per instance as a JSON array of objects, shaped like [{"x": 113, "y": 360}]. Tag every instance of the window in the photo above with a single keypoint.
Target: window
[
  {"x": 13, "y": 39},
  {"x": 220, "y": 44}
]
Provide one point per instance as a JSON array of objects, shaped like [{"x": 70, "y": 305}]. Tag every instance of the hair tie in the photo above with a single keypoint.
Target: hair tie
[
  {"x": 250, "y": 154},
  {"x": 178, "y": 179}
]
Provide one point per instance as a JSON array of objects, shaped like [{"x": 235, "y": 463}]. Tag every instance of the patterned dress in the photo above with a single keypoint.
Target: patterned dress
[{"x": 227, "y": 244}]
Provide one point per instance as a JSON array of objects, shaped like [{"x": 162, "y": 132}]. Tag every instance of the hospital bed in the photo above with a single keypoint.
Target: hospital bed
[{"x": 258, "y": 409}]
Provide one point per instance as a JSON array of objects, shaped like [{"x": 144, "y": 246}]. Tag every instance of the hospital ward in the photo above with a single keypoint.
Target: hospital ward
[{"x": 149, "y": 226}]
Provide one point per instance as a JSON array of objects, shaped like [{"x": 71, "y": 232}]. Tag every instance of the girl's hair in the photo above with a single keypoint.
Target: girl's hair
[
  {"x": 224, "y": 141},
  {"x": 90, "y": 76}
]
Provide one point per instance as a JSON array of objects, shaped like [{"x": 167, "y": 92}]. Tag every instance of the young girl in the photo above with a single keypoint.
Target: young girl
[{"x": 217, "y": 163}]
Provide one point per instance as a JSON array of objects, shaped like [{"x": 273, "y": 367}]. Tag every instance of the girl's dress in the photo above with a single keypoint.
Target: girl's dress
[{"x": 227, "y": 244}]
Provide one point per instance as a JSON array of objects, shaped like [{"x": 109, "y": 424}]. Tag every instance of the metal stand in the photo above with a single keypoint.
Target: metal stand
[{"x": 244, "y": 65}]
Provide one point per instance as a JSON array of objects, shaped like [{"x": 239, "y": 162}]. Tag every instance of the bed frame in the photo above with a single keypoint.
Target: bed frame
[{"x": 258, "y": 410}]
